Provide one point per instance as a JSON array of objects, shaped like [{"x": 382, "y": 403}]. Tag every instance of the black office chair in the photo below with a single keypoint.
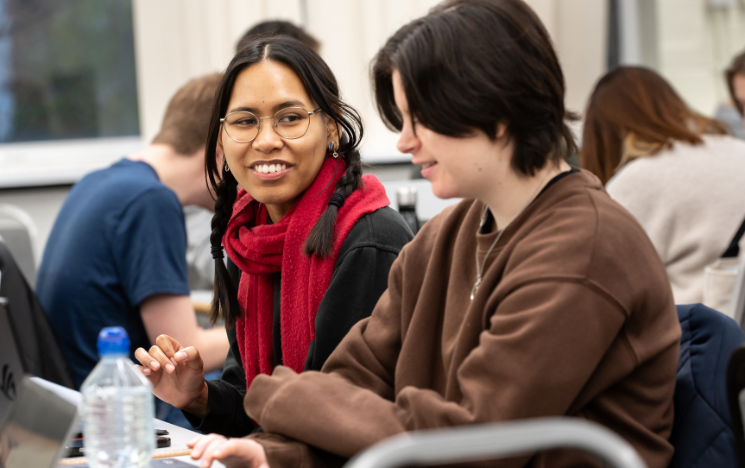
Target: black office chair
[{"x": 37, "y": 346}]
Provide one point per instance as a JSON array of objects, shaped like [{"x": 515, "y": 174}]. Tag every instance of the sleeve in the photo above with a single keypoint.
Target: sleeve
[
  {"x": 521, "y": 358},
  {"x": 150, "y": 247},
  {"x": 359, "y": 280},
  {"x": 225, "y": 414}
]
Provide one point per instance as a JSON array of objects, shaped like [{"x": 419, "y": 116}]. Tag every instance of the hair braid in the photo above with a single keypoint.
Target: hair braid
[
  {"x": 225, "y": 293},
  {"x": 321, "y": 238}
]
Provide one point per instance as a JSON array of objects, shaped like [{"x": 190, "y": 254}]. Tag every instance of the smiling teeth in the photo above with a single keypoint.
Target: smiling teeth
[{"x": 270, "y": 168}]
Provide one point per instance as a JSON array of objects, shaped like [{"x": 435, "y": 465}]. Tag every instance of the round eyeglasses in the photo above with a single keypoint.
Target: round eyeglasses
[{"x": 289, "y": 123}]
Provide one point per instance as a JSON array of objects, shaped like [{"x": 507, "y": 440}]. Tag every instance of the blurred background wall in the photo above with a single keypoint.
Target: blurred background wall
[{"x": 84, "y": 82}]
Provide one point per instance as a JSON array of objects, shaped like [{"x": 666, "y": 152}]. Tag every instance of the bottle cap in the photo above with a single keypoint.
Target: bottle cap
[
  {"x": 406, "y": 196},
  {"x": 113, "y": 340}
]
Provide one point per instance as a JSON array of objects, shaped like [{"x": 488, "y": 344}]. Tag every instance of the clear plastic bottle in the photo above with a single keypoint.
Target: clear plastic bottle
[{"x": 117, "y": 408}]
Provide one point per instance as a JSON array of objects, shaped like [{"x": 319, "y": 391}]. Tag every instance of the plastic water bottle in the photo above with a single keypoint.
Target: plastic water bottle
[{"x": 117, "y": 408}]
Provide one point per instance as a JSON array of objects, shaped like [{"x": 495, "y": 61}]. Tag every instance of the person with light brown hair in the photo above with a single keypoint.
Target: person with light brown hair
[
  {"x": 678, "y": 172},
  {"x": 116, "y": 254}
]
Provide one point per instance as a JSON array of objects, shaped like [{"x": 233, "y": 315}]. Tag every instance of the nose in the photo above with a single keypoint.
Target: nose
[
  {"x": 267, "y": 139},
  {"x": 408, "y": 142}
]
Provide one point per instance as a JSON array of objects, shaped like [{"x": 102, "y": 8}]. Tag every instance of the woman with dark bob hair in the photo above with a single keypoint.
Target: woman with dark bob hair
[
  {"x": 675, "y": 170},
  {"x": 313, "y": 241},
  {"x": 536, "y": 295}
]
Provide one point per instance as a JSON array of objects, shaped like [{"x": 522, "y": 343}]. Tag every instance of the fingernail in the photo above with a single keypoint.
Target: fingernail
[
  {"x": 170, "y": 368},
  {"x": 181, "y": 355},
  {"x": 146, "y": 371},
  {"x": 155, "y": 365}
]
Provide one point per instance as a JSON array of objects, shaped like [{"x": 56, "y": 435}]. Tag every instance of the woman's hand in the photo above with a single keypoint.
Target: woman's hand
[
  {"x": 176, "y": 373},
  {"x": 233, "y": 453}
]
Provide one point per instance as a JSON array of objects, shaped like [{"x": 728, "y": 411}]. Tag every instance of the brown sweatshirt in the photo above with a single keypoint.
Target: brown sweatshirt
[{"x": 574, "y": 316}]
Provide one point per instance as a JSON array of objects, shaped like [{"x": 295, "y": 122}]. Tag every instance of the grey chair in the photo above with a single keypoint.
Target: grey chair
[
  {"x": 489, "y": 441},
  {"x": 19, "y": 233}
]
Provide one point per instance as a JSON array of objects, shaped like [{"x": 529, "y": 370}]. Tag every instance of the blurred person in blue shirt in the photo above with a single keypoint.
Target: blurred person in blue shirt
[{"x": 116, "y": 255}]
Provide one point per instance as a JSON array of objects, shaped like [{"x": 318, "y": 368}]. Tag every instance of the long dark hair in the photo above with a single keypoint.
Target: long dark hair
[
  {"x": 471, "y": 64},
  {"x": 633, "y": 112},
  {"x": 321, "y": 86}
]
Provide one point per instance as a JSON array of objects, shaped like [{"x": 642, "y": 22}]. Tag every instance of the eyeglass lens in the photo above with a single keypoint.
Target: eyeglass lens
[{"x": 291, "y": 122}]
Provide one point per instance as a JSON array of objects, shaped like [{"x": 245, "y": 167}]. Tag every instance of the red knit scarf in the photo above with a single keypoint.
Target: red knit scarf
[{"x": 259, "y": 250}]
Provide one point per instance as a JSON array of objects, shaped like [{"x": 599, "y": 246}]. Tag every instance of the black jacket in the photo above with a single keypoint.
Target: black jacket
[{"x": 359, "y": 279}]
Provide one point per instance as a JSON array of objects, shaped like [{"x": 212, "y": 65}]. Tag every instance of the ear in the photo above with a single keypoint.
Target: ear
[
  {"x": 501, "y": 129},
  {"x": 332, "y": 132},
  {"x": 219, "y": 149}
]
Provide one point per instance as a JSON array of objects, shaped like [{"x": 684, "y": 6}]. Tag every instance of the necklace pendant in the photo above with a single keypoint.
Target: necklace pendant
[{"x": 475, "y": 287}]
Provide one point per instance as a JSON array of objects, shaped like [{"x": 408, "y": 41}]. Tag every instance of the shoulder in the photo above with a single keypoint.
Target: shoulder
[
  {"x": 579, "y": 233},
  {"x": 126, "y": 183},
  {"x": 383, "y": 229}
]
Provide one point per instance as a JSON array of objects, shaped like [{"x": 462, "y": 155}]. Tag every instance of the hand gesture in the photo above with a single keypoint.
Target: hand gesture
[
  {"x": 232, "y": 453},
  {"x": 176, "y": 373}
]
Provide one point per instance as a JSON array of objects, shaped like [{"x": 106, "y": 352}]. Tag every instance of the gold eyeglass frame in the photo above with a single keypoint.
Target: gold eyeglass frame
[{"x": 274, "y": 122}]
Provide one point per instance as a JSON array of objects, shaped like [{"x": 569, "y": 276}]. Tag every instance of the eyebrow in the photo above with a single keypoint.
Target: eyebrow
[{"x": 279, "y": 106}]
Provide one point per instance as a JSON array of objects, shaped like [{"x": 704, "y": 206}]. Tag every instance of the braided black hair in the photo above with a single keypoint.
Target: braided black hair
[{"x": 321, "y": 86}]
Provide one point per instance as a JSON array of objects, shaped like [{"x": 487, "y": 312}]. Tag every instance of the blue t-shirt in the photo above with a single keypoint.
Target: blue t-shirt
[{"x": 118, "y": 239}]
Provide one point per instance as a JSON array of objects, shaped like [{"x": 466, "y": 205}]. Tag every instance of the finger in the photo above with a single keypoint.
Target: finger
[
  {"x": 190, "y": 356},
  {"x": 144, "y": 357},
  {"x": 201, "y": 444},
  {"x": 168, "y": 345},
  {"x": 145, "y": 370},
  {"x": 208, "y": 456},
  {"x": 159, "y": 359},
  {"x": 241, "y": 452},
  {"x": 230, "y": 448}
]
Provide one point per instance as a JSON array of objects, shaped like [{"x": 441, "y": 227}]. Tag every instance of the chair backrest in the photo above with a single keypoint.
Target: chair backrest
[
  {"x": 500, "y": 440},
  {"x": 38, "y": 349},
  {"x": 702, "y": 432},
  {"x": 19, "y": 232}
]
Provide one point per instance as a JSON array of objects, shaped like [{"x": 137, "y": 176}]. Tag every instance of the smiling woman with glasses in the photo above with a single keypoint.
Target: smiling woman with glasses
[{"x": 309, "y": 240}]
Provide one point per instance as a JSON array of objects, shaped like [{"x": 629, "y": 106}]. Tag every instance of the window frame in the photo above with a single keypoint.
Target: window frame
[{"x": 60, "y": 162}]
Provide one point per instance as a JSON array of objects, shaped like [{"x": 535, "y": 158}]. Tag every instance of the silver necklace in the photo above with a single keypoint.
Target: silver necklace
[{"x": 480, "y": 269}]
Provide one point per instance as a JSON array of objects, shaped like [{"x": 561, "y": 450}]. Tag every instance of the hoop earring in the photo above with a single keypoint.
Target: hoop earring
[
  {"x": 225, "y": 166},
  {"x": 331, "y": 148}
]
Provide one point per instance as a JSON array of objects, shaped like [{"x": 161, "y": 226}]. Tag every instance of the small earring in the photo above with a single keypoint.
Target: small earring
[
  {"x": 225, "y": 166},
  {"x": 331, "y": 148}
]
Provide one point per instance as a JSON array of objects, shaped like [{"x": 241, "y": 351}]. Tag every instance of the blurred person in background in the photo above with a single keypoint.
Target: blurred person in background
[
  {"x": 536, "y": 295},
  {"x": 116, "y": 253},
  {"x": 679, "y": 173},
  {"x": 313, "y": 240},
  {"x": 735, "y": 76},
  {"x": 198, "y": 220}
]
